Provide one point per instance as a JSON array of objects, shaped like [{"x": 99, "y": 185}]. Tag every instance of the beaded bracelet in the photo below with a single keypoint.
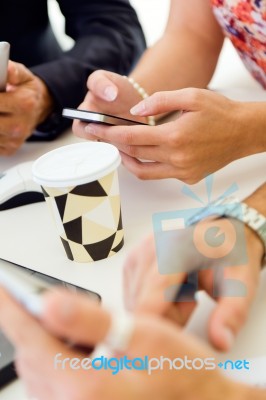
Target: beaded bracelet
[{"x": 143, "y": 94}]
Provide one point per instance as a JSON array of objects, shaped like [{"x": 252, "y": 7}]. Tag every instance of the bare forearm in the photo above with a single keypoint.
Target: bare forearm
[{"x": 176, "y": 61}]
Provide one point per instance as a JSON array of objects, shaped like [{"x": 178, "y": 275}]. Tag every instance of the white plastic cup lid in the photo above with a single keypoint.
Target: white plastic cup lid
[{"x": 76, "y": 164}]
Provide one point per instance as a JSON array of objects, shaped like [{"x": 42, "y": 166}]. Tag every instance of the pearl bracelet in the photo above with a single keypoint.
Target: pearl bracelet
[{"x": 143, "y": 94}]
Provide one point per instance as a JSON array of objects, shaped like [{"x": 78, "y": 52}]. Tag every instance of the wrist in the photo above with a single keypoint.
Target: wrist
[
  {"x": 257, "y": 201},
  {"x": 252, "y": 122},
  {"x": 255, "y": 247},
  {"x": 143, "y": 94}
]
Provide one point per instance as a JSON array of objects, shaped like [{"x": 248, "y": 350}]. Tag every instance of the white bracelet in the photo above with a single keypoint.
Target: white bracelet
[
  {"x": 143, "y": 94},
  {"x": 120, "y": 333}
]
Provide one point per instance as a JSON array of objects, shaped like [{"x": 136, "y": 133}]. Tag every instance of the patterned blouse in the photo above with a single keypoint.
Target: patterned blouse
[{"x": 244, "y": 23}]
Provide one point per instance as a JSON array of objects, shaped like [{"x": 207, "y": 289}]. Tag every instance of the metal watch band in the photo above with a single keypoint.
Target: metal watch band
[{"x": 234, "y": 208}]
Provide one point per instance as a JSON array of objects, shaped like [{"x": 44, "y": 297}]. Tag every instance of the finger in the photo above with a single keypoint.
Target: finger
[
  {"x": 6, "y": 151},
  {"x": 165, "y": 337},
  {"x": 129, "y": 135},
  {"x": 103, "y": 85},
  {"x": 138, "y": 263},
  {"x": 153, "y": 297},
  {"x": 74, "y": 317},
  {"x": 180, "y": 312},
  {"x": 78, "y": 128},
  {"x": 10, "y": 128},
  {"x": 10, "y": 103},
  {"x": 182, "y": 308},
  {"x": 13, "y": 317},
  {"x": 79, "y": 131},
  {"x": 148, "y": 170},
  {"x": 10, "y": 141},
  {"x": 18, "y": 74},
  {"x": 150, "y": 153},
  {"x": 165, "y": 102},
  {"x": 148, "y": 284},
  {"x": 88, "y": 323},
  {"x": 231, "y": 312}
]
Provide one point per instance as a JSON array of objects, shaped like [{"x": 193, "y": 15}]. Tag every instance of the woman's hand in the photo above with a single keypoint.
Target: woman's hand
[
  {"x": 109, "y": 93},
  {"x": 230, "y": 275},
  {"x": 40, "y": 355},
  {"x": 210, "y": 133}
]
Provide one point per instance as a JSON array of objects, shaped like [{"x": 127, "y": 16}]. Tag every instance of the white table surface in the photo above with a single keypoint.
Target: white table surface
[{"x": 28, "y": 236}]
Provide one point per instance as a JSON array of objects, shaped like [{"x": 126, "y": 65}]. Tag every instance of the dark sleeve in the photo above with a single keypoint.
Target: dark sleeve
[{"x": 107, "y": 35}]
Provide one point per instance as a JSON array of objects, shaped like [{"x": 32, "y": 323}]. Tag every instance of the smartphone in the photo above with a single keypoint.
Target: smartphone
[
  {"x": 27, "y": 287},
  {"x": 97, "y": 118},
  {"x": 4, "y": 57}
]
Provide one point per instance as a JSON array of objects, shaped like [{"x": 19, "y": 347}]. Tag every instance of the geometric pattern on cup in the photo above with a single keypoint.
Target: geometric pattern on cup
[{"x": 88, "y": 218}]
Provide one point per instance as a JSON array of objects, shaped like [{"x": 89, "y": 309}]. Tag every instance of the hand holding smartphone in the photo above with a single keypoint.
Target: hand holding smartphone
[
  {"x": 28, "y": 287},
  {"x": 4, "y": 57}
]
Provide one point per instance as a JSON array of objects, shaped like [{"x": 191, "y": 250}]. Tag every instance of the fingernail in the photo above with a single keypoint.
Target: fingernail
[
  {"x": 229, "y": 338},
  {"x": 138, "y": 109},
  {"x": 90, "y": 129},
  {"x": 110, "y": 93}
]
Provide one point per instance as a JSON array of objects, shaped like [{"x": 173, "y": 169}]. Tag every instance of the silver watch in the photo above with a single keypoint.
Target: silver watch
[{"x": 232, "y": 207}]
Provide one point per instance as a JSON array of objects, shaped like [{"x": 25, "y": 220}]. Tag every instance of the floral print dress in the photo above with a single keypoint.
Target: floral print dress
[{"x": 244, "y": 23}]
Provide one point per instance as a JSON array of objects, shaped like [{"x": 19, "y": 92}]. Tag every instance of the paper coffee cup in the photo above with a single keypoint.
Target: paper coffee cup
[{"x": 80, "y": 185}]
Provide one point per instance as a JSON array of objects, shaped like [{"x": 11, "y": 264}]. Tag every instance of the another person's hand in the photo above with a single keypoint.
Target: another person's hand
[
  {"x": 24, "y": 105},
  {"x": 40, "y": 356},
  {"x": 108, "y": 93},
  {"x": 229, "y": 277},
  {"x": 211, "y": 132}
]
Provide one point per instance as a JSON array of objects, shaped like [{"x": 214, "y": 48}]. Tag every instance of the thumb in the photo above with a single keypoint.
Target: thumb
[
  {"x": 18, "y": 74},
  {"x": 103, "y": 84},
  {"x": 165, "y": 102},
  {"x": 159, "y": 297},
  {"x": 74, "y": 317},
  {"x": 227, "y": 320}
]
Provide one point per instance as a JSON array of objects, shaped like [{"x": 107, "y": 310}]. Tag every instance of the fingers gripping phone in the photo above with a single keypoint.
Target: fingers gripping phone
[
  {"x": 97, "y": 118},
  {"x": 4, "y": 57}
]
